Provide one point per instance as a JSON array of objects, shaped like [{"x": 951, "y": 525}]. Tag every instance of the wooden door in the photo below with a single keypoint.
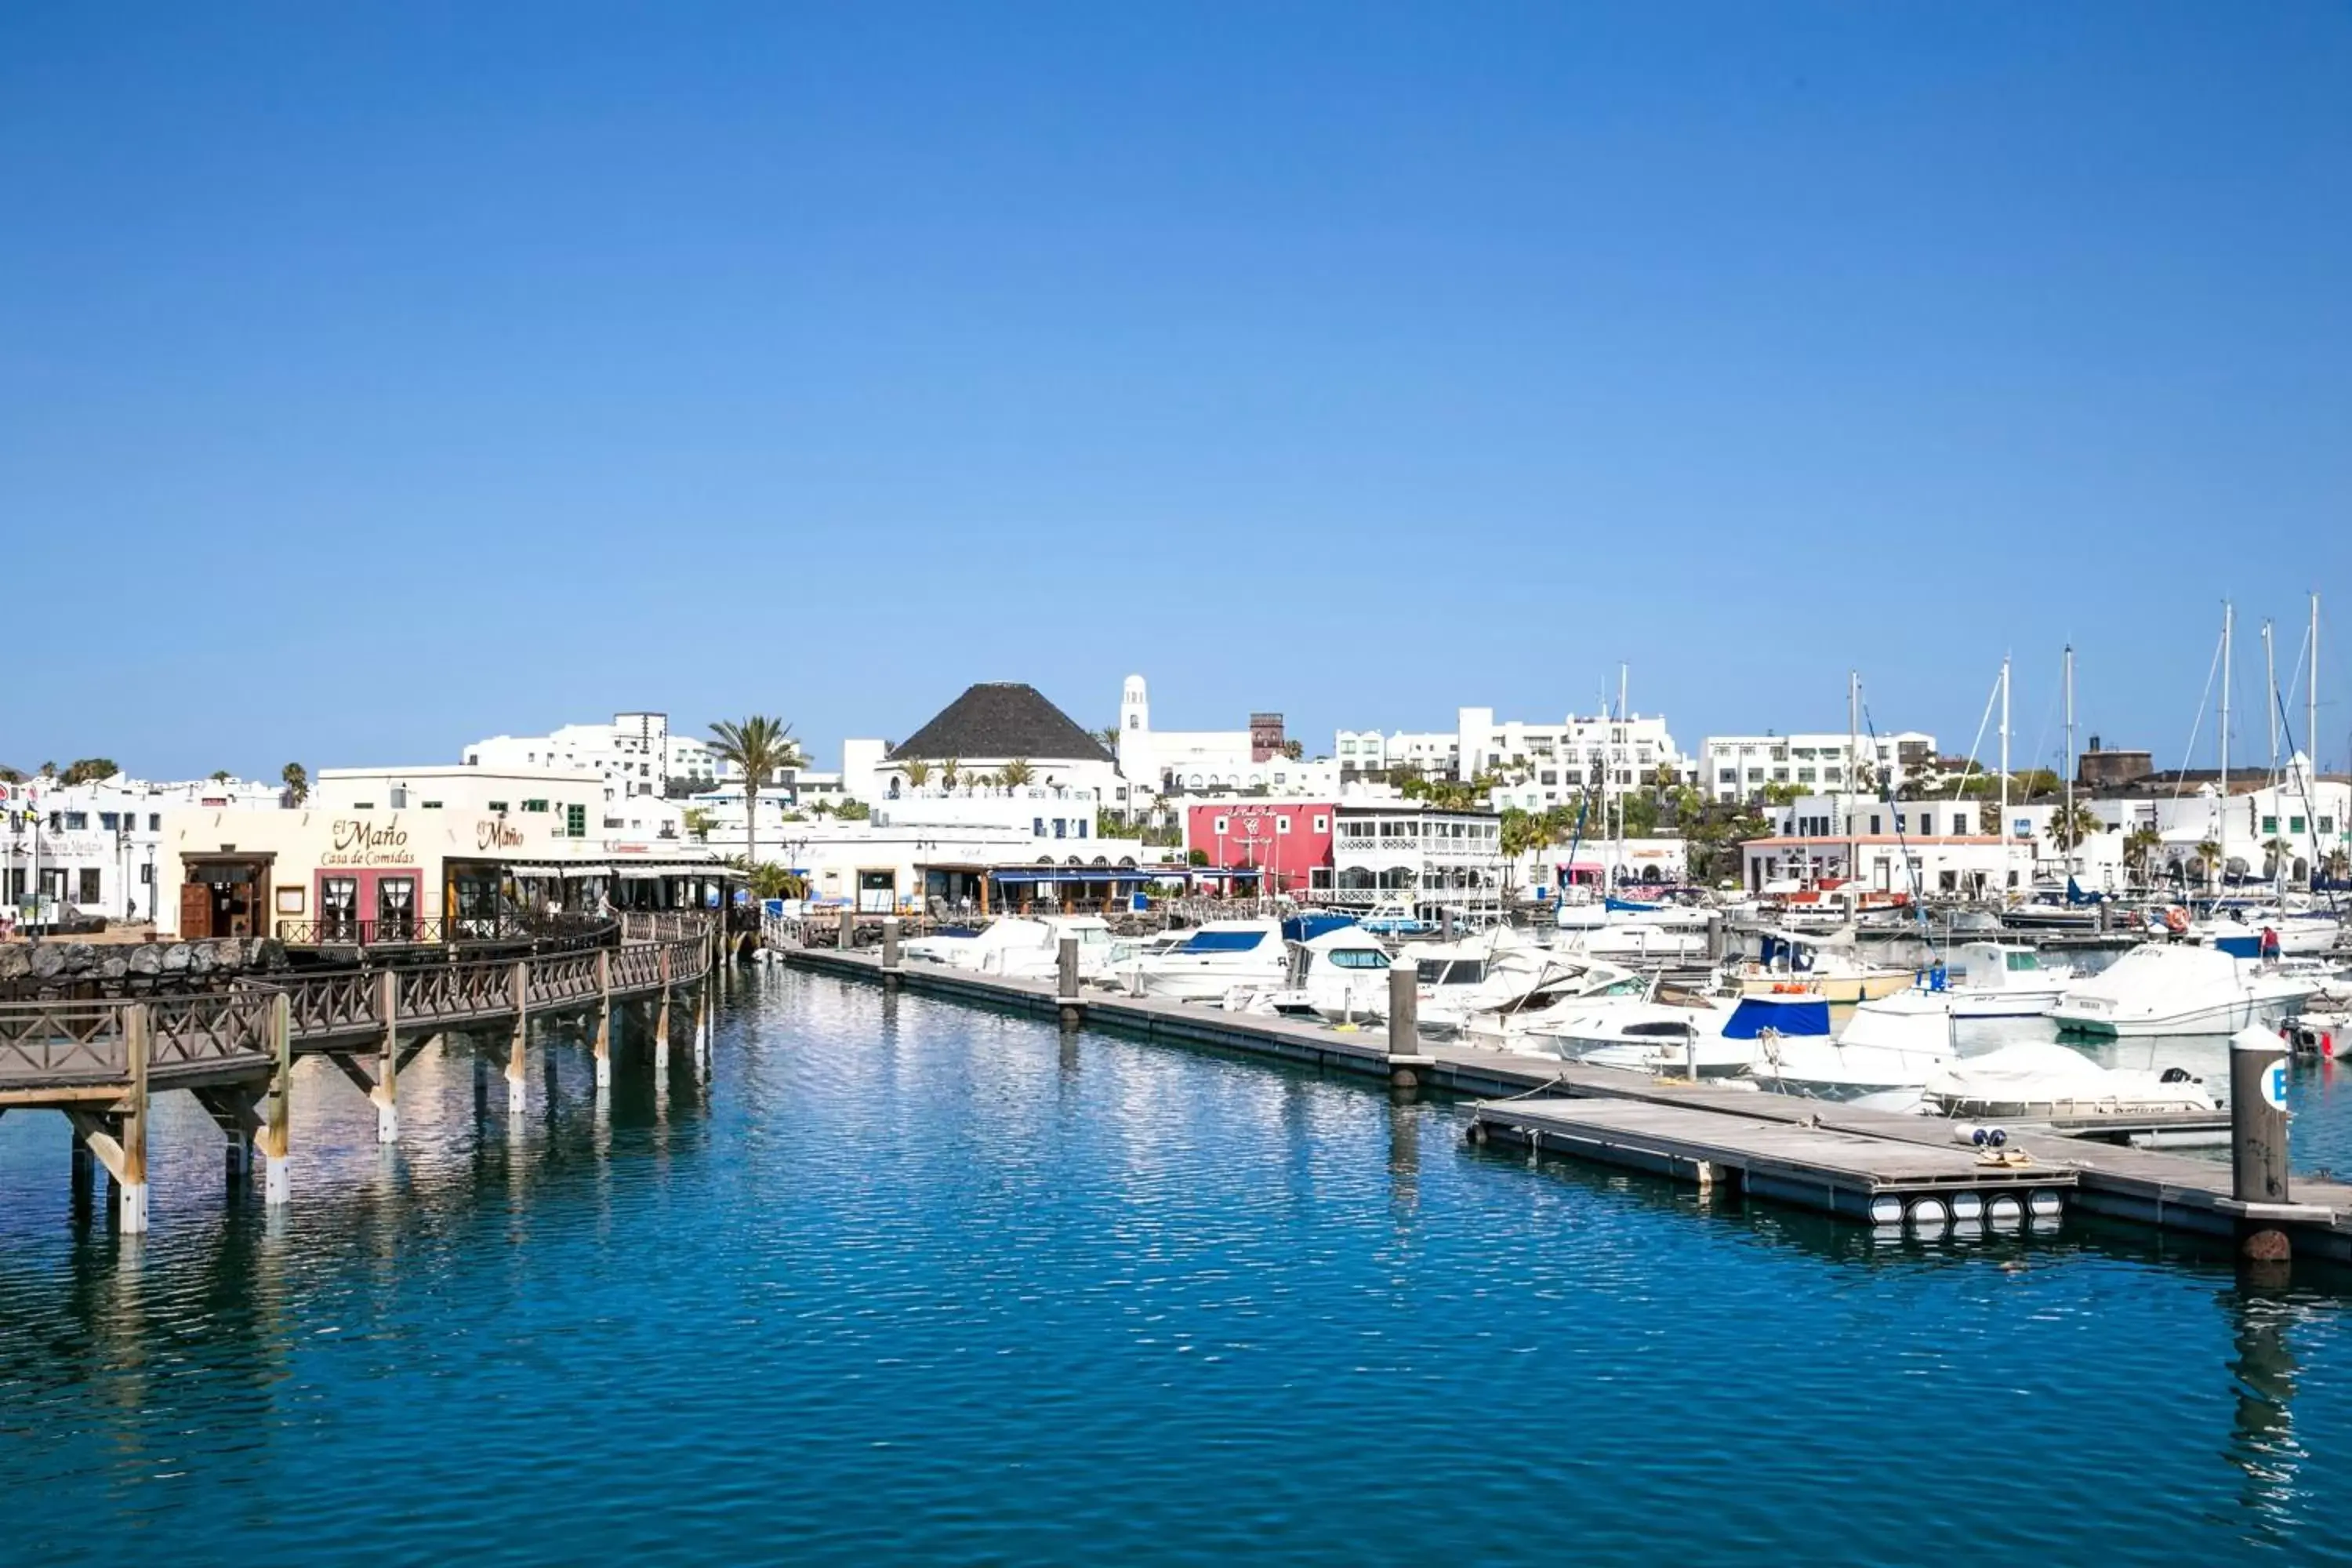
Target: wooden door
[{"x": 195, "y": 910}]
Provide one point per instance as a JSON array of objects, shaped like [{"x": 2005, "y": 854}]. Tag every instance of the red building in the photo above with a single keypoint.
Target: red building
[{"x": 1289, "y": 840}]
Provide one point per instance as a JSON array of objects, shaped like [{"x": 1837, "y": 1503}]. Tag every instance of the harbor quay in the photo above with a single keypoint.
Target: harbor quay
[
  {"x": 100, "y": 1061},
  {"x": 1892, "y": 1172}
]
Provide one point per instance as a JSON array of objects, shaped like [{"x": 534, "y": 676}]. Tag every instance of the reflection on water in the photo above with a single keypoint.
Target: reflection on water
[{"x": 905, "y": 1281}]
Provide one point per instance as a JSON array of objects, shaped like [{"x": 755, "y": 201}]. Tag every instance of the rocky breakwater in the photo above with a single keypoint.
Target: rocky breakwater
[{"x": 53, "y": 971}]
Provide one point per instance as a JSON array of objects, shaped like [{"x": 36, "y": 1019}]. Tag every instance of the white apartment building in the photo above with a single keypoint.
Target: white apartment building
[
  {"x": 1401, "y": 849},
  {"x": 91, "y": 849},
  {"x": 1738, "y": 767},
  {"x": 1926, "y": 847},
  {"x": 1540, "y": 765},
  {"x": 636, "y": 753}
]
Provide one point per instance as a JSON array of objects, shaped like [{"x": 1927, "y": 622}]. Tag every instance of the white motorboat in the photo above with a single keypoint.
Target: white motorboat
[
  {"x": 975, "y": 951},
  {"x": 1640, "y": 939},
  {"x": 1824, "y": 964},
  {"x": 1891, "y": 1044},
  {"x": 1340, "y": 977},
  {"x": 2161, "y": 988},
  {"x": 1213, "y": 960},
  {"x": 2000, "y": 980},
  {"x": 2255, "y": 932},
  {"x": 1714, "y": 1036},
  {"x": 1129, "y": 954},
  {"x": 2042, "y": 1080},
  {"x": 1496, "y": 970},
  {"x": 1568, "y": 986}
]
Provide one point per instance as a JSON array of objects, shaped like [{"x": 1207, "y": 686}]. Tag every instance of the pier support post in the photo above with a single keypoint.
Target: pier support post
[
  {"x": 2258, "y": 1135},
  {"x": 386, "y": 1092},
  {"x": 84, "y": 1176},
  {"x": 1405, "y": 1054},
  {"x": 276, "y": 1133},
  {"x": 702, "y": 1024},
  {"x": 522, "y": 1032},
  {"x": 139, "y": 1028},
  {"x": 848, "y": 931},
  {"x": 890, "y": 968},
  {"x": 661, "y": 1019},
  {"x": 604, "y": 1018},
  {"x": 1065, "y": 981}
]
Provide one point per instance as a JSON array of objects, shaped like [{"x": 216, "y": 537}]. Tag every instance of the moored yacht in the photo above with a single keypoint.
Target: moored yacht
[
  {"x": 1895, "y": 1043},
  {"x": 2042, "y": 1081},
  {"x": 2164, "y": 989},
  {"x": 1716, "y": 1036},
  {"x": 1827, "y": 966},
  {"x": 1213, "y": 960},
  {"x": 1341, "y": 976}
]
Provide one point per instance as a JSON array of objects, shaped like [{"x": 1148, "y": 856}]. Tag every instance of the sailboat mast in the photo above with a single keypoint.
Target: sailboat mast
[
  {"x": 2221, "y": 832},
  {"x": 1853, "y": 767},
  {"x": 2270, "y": 695},
  {"x": 2002, "y": 826},
  {"x": 2311, "y": 703},
  {"x": 2069, "y": 760}
]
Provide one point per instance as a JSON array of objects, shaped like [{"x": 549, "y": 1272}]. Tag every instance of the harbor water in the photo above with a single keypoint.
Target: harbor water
[{"x": 911, "y": 1281}]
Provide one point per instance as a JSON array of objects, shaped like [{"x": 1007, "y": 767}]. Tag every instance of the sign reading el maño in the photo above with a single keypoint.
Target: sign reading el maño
[{"x": 356, "y": 841}]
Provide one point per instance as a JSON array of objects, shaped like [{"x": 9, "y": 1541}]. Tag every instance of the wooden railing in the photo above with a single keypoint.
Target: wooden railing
[{"x": 74, "y": 1044}]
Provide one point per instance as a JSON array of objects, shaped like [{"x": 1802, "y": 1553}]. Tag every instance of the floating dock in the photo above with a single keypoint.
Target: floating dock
[{"x": 1878, "y": 1181}]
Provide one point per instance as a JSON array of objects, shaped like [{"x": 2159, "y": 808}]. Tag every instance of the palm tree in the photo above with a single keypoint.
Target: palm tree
[
  {"x": 2138, "y": 845},
  {"x": 949, "y": 771},
  {"x": 1109, "y": 736},
  {"x": 918, "y": 773},
  {"x": 2209, "y": 861},
  {"x": 1016, "y": 772},
  {"x": 2277, "y": 849},
  {"x": 2067, "y": 832},
  {"x": 759, "y": 746},
  {"x": 297, "y": 779}
]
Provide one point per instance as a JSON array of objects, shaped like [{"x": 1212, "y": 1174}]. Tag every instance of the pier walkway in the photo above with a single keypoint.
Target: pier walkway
[
  {"x": 1818, "y": 1153},
  {"x": 101, "y": 1062}
]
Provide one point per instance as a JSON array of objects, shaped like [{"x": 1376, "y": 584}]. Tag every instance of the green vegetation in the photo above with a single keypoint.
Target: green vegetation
[
  {"x": 89, "y": 770},
  {"x": 759, "y": 746},
  {"x": 297, "y": 780}
]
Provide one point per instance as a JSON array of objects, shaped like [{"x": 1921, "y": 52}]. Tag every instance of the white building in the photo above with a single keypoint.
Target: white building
[
  {"x": 1539, "y": 765},
  {"x": 992, "y": 728},
  {"x": 1740, "y": 767},
  {"x": 91, "y": 849},
  {"x": 1926, "y": 847},
  {"x": 1161, "y": 765},
  {"x": 636, "y": 753},
  {"x": 2284, "y": 831},
  {"x": 1401, "y": 849}
]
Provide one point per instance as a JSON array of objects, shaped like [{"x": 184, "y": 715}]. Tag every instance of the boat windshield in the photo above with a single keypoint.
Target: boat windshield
[
  {"x": 1451, "y": 972},
  {"x": 2020, "y": 961},
  {"x": 1223, "y": 941},
  {"x": 1357, "y": 958}
]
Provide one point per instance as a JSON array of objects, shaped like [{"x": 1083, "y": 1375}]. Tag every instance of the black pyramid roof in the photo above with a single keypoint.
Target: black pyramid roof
[{"x": 1001, "y": 718}]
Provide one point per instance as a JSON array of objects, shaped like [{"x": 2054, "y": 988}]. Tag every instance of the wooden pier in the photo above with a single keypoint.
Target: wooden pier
[
  {"x": 1814, "y": 1152},
  {"x": 101, "y": 1062}
]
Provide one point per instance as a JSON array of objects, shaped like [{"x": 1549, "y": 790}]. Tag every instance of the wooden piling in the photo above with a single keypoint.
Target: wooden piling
[
  {"x": 132, "y": 1179},
  {"x": 1065, "y": 981},
  {"x": 2258, "y": 1143},
  {"x": 605, "y": 1018},
  {"x": 515, "y": 1097},
  {"x": 275, "y": 1134},
  {"x": 661, "y": 1018},
  {"x": 386, "y": 1092},
  {"x": 892, "y": 962},
  {"x": 1405, "y": 1055}
]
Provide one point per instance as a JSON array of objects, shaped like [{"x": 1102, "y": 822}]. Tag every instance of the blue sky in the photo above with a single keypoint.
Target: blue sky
[{"x": 372, "y": 379}]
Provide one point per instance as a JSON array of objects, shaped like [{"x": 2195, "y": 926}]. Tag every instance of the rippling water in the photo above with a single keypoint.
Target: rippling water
[{"x": 906, "y": 1281}]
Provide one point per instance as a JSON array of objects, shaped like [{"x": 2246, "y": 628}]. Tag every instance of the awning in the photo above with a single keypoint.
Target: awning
[{"x": 560, "y": 870}]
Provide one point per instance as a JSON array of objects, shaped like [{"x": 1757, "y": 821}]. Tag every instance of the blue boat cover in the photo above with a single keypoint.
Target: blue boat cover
[
  {"x": 1223, "y": 941},
  {"x": 1790, "y": 1015},
  {"x": 1308, "y": 927},
  {"x": 2239, "y": 946}
]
